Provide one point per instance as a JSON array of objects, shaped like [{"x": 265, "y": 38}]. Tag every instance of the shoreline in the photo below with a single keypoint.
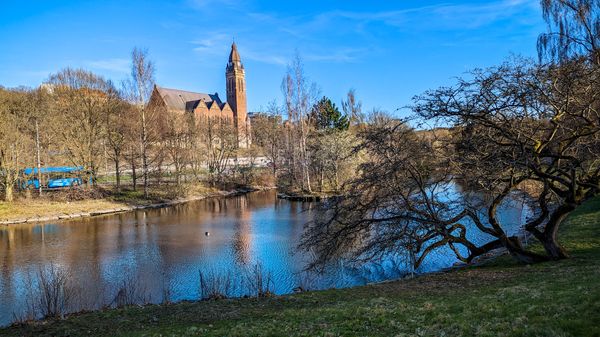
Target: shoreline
[
  {"x": 129, "y": 208},
  {"x": 505, "y": 283},
  {"x": 304, "y": 197}
]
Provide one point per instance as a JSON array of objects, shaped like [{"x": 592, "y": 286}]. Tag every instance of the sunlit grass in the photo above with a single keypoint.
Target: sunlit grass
[
  {"x": 24, "y": 209},
  {"x": 47, "y": 207}
]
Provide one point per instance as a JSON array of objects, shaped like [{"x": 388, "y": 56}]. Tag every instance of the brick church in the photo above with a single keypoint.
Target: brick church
[{"x": 204, "y": 105}]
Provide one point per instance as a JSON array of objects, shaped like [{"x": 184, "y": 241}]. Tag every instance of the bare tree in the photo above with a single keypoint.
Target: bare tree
[
  {"x": 138, "y": 90},
  {"x": 178, "y": 142},
  {"x": 37, "y": 102},
  {"x": 526, "y": 123},
  {"x": 377, "y": 117},
  {"x": 118, "y": 126},
  {"x": 30, "y": 110},
  {"x": 57, "y": 293},
  {"x": 197, "y": 155},
  {"x": 245, "y": 170},
  {"x": 573, "y": 30},
  {"x": 369, "y": 220},
  {"x": 512, "y": 124},
  {"x": 132, "y": 155},
  {"x": 13, "y": 141},
  {"x": 333, "y": 157},
  {"x": 353, "y": 108},
  {"x": 219, "y": 137},
  {"x": 300, "y": 96},
  {"x": 268, "y": 135},
  {"x": 80, "y": 99}
]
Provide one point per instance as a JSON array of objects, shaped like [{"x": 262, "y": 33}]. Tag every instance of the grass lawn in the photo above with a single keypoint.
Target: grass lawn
[
  {"x": 43, "y": 207},
  {"x": 501, "y": 298}
]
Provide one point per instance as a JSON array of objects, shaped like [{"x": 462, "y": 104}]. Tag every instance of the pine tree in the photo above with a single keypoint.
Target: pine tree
[{"x": 326, "y": 116}]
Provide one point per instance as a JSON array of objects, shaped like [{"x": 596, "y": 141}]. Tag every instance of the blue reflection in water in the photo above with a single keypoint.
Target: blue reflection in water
[{"x": 163, "y": 250}]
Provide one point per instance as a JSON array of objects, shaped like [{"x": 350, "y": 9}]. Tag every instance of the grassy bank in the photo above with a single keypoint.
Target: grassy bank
[
  {"x": 23, "y": 209},
  {"x": 57, "y": 203},
  {"x": 501, "y": 298}
]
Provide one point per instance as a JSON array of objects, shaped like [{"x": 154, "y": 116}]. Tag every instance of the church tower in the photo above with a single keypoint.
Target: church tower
[{"x": 236, "y": 95}]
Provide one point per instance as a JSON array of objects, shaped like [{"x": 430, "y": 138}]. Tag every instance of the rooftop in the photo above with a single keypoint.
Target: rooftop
[{"x": 185, "y": 100}]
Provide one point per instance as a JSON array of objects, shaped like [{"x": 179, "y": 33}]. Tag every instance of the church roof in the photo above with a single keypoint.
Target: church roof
[{"x": 185, "y": 100}]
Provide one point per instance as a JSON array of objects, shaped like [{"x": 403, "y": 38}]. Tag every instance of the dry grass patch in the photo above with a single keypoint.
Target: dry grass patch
[{"x": 23, "y": 209}]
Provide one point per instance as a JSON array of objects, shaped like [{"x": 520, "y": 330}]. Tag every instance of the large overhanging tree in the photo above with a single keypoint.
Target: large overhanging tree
[{"x": 512, "y": 126}]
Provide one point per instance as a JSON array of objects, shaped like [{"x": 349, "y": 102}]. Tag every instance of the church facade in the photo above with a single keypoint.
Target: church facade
[{"x": 234, "y": 110}]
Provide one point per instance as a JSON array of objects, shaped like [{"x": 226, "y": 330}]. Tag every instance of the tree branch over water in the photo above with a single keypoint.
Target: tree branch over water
[{"x": 515, "y": 131}]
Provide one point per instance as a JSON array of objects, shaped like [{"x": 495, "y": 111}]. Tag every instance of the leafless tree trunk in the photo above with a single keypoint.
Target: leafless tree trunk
[
  {"x": 177, "y": 143},
  {"x": 299, "y": 98},
  {"x": 132, "y": 159},
  {"x": 37, "y": 109},
  {"x": 220, "y": 139},
  {"x": 139, "y": 88},
  {"x": 353, "y": 108},
  {"x": 13, "y": 142},
  {"x": 268, "y": 134},
  {"x": 37, "y": 156},
  {"x": 118, "y": 126}
]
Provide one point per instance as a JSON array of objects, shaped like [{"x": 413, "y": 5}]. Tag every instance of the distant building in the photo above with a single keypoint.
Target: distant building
[{"x": 202, "y": 105}]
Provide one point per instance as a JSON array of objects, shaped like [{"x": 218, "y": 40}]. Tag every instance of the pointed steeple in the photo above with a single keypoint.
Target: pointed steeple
[
  {"x": 234, "y": 56},
  {"x": 235, "y": 76}
]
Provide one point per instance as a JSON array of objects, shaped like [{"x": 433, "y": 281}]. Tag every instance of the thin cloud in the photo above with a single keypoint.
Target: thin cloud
[
  {"x": 212, "y": 43},
  {"x": 441, "y": 16},
  {"x": 263, "y": 57},
  {"x": 218, "y": 44},
  {"x": 334, "y": 36},
  {"x": 118, "y": 65},
  {"x": 204, "y": 4},
  {"x": 346, "y": 55}
]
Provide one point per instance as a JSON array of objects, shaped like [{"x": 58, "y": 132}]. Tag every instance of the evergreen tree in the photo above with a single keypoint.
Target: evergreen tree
[{"x": 326, "y": 116}]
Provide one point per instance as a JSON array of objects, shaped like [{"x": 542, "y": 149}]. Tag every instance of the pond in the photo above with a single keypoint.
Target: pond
[{"x": 157, "y": 255}]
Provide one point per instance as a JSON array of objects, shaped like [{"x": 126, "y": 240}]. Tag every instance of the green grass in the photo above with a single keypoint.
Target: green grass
[
  {"x": 111, "y": 179},
  {"x": 498, "y": 299}
]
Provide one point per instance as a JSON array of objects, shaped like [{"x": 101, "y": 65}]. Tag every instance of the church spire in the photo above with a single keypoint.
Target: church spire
[
  {"x": 236, "y": 95},
  {"x": 234, "y": 56}
]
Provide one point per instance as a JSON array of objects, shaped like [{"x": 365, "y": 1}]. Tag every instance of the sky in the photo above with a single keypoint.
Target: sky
[{"x": 388, "y": 51}]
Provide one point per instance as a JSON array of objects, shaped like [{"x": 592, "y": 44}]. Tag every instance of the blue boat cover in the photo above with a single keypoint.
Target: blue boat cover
[{"x": 59, "y": 169}]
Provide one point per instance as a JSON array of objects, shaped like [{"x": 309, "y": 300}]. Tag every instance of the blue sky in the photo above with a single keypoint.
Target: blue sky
[{"x": 388, "y": 51}]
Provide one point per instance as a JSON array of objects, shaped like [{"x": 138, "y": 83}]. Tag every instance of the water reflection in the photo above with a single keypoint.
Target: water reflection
[{"x": 164, "y": 249}]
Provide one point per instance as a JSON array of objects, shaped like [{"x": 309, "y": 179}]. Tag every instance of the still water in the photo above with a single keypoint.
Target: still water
[{"x": 162, "y": 251}]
